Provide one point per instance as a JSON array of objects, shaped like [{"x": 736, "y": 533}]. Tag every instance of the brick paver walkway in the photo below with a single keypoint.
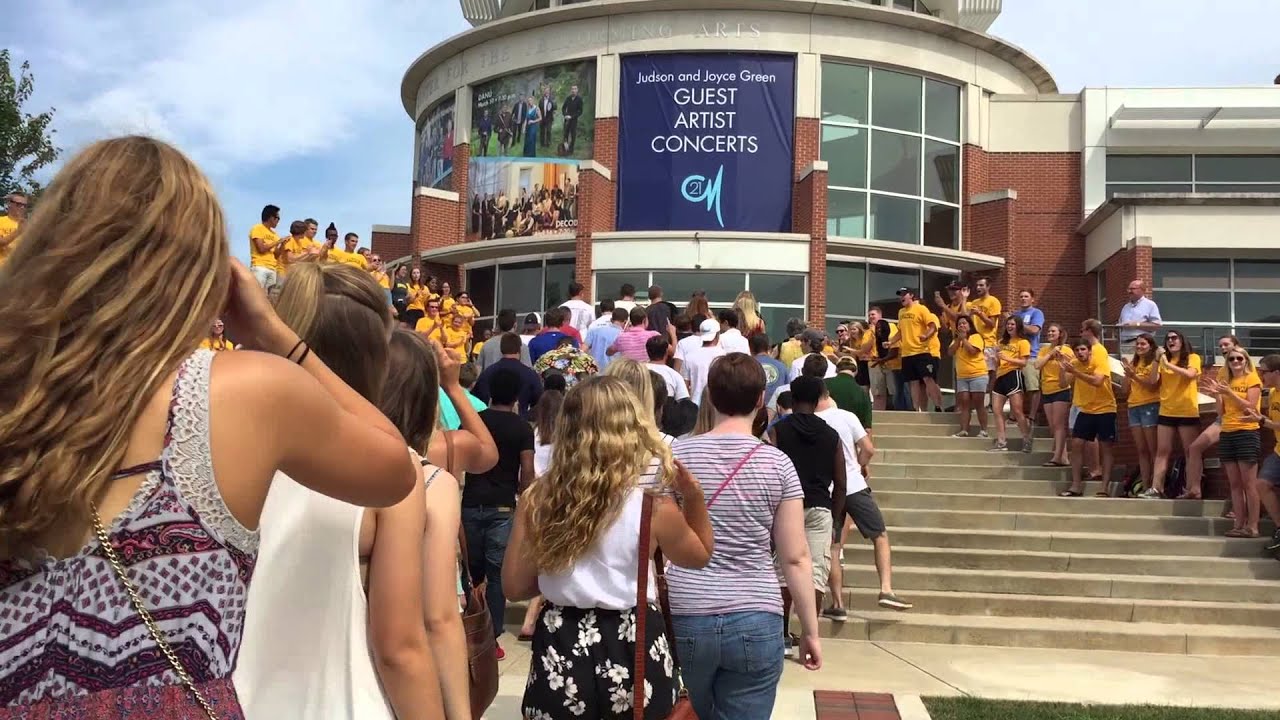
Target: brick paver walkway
[{"x": 854, "y": 706}]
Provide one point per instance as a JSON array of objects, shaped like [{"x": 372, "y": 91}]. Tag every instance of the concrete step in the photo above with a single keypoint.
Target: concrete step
[
  {"x": 1059, "y": 522},
  {"x": 927, "y": 456},
  {"x": 1073, "y": 542},
  {"x": 894, "y": 428},
  {"x": 899, "y": 417},
  {"x": 1073, "y": 562},
  {"x": 1073, "y": 608},
  {"x": 1080, "y": 585},
  {"x": 981, "y": 471},
  {"x": 918, "y": 442},
  {"x": 1048, "y": 503},
  {"x": 1032, "y": 488},
  {"x": 1179, "y": 639}
]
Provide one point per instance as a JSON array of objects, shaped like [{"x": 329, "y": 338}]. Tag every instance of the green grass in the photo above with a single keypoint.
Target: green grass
[{"x": 967, "y": 708}]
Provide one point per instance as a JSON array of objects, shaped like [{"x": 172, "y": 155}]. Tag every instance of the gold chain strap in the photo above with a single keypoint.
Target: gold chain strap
[{"x": 150, "y": 622}]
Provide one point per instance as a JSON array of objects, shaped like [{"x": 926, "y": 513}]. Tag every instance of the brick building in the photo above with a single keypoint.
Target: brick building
[{"x": 921, "y": 150}]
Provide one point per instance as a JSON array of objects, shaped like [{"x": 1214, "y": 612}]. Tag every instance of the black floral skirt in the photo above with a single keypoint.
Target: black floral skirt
[{"x": 583, "y": 663}]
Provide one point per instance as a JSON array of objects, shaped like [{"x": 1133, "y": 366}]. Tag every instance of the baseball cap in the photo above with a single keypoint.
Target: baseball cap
[
  {"x": 847, "y": 362},
  {"x": 533, "y": 318},
  {"x": 955, "y": 285},
  {"x": 708, "y": 329},
  {"x": 904, "y": 290}
]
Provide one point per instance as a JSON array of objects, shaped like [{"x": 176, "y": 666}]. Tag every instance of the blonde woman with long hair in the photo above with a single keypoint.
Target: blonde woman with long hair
[
  {"x": 111, "y": 424},
  {"x": 749, "y": 311},
  {"x": 356, "y": 648},
  {"x": 576, "y": 539},
  {"x": 636, "y": 376}
]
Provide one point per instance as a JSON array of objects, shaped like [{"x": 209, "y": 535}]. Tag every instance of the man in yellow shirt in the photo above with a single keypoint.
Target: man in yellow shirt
[
  {"x": 1090, "y": 372},
  {"x": 349, "y": 255},
  {"x": 985, "y": 311},
  {"x": 15, "y": 213},
  {"x": 298, "y": 246},
  {"x": 432, "y": 323},
  {"x": 884, "y": 363},
  {"x": 917, "y": 331},
  {"x": 263, "y": 244},
  {"x": 1269, "y": 474}
]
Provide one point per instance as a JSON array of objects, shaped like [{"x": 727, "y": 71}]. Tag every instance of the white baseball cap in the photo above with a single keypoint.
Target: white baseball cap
[{"x": 708, "y": 329}]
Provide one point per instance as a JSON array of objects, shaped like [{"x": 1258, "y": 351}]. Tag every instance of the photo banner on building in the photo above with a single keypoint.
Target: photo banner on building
[
  {"x": 705, "y": 142},
  {"x": 514, "y": 197},
  {"x": 435, "y": 148},
  {"x": 546, "y": 113}
]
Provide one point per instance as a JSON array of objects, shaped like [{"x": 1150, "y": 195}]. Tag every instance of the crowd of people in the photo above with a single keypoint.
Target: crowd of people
[{"x": 665, "y": 486}]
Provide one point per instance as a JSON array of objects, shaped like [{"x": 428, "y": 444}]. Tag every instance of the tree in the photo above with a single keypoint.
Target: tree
[{"x": 26, "y": 140}]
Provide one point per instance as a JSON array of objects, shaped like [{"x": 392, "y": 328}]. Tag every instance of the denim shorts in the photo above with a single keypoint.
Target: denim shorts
[
  {"x": 1270, "y": 470},
  {"x": 972, "y": 385},
  {"x": 1144, "y": 415}
]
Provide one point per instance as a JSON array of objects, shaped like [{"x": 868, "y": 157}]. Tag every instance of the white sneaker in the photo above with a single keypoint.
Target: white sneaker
[{"x": 962, "y": 433}]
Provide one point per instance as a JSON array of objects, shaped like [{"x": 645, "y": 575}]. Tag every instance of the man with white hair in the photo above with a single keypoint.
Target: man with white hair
[{"x": 1139, "y": 315}]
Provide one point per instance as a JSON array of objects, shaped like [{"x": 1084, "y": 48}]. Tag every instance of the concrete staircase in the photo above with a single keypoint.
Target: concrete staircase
[{"x": 991, "y": 556}]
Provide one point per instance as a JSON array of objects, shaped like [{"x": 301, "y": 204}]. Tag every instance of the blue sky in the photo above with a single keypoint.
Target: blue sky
[{"x": 297, "y": 102}]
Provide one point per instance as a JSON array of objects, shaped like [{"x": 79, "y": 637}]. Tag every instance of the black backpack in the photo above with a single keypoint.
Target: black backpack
[{"x": 1175, "y": 481}]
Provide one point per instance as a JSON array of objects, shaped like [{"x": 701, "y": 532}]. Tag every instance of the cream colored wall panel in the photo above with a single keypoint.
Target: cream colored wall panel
[
  {"x": 686, "y": 254},
  {"x": 709, "y": 30},
  {"x": 808, "y": 86},
  {"x": 1036, "y": 124},
  {"x": 1214, "y": 227},
  {"x": 1106, "y": 240}
]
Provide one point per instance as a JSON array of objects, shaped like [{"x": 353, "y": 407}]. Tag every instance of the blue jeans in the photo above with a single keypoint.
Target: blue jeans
[
  {"x": 487, "y": 530},
  {"x": 731, "y": 663},
  {"x": 903, "y": 399}
]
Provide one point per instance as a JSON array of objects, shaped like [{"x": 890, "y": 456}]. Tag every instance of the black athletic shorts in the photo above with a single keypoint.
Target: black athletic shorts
[
  {"x": 919, "y": 367},
  {"x": 1009, "y": 383},
  {"x": 1170, "y": 421},
  {"x": 1090, "y": 427}
]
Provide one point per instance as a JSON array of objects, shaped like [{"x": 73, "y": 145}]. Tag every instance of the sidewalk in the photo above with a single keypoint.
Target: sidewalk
[{"x": 993, "y": 672}]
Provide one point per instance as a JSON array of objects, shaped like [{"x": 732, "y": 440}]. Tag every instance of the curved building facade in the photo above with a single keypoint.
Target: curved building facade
[{"x": 820, "y": 154}]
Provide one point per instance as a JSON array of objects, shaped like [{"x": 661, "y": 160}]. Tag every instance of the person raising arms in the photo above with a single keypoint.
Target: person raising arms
[
  {"x": 1090, "y": 373},
  {"x": 1179, "y": 405},
  {"x": 1239, "y": 400},
  {"x": 1142, "y": 385},
  {"x": 1055, "y": 391},
  {"x": 968, "y": 348},
  {"x": 111, "y": 424}
]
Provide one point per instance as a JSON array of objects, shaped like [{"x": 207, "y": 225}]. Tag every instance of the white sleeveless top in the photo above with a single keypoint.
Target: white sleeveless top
[
  {"x": 605, "y": 575},
  {"x": 305, "y": 653}
]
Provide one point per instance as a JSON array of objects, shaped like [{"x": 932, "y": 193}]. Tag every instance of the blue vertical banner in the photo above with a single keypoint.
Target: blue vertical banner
[{"x": 705, "y": 142}]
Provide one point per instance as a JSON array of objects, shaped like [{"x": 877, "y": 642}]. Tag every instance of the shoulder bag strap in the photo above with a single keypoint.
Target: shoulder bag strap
[
  {"x": 659, "y": 566},
  {"x": 448, "y": 452},
  {"x": 732, "y": 474},
  {"x": 642, "y": 605}
]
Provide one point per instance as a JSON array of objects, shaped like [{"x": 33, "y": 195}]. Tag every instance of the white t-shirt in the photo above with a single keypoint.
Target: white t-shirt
[
  {"x": 580, "y": 314},
  {"x": 601, "y": 321},
  {"x": 851, "y": 431},
  {"x": 627, "y": 305},
  {"x": 541, "y": 456},
  {"x": 798, "y": 364},
  {"x": 676, "y": 387},
  {"x": 684, "y": 346},
  {"x": 698, "y": 364},
  {"x": 773, "y": 401},
  {"x": 733, "y": 341}
]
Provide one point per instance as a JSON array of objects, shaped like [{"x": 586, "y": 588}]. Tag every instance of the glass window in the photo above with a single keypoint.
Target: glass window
[
  {"x": 775, "y": 320},
  {"x": 895, "y": 100},
  {"x": 778, "y": 288},
  {"x": 895, "y": 162},
  {"x": 1148, "y": 168},
  {"x": 882, "y": 287},
  {"x": 720, "y": 287},
  {"x": 941, "y": 171},
  {"x": 941, "y": 110},
  {"x": 1113, "y": 188},
  {"x": 845, "y": 150},
  {"x": 934, "y": 282},
  {"x": 1205, "y": 187},
  {"x": 1258, "y": 275},
  {"x": 520, "y": 287},
  {"x": 480, "y": 283},
  {"x": 556, "y": 288},
  {"x": 1238, "y": 168},
  {"x": 844, "y": 93},
  {"x": 941, "y": 226},
  {"x": 608, "y": 283},
  {"x": 1257, "y": 307},
  {"x": 1260, "y": 341},
  {"x": 1185, "y": 307},
  {"x": 895, "y": 219},
  {"x": 846, "y": 289},
  {"x": 846, "y": 213},
  {"x": 1190, "y": 274},
  {"x": 904, "y": 4}
]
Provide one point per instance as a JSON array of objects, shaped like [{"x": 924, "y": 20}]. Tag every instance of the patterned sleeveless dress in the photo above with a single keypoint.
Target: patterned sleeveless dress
[{"x": 71, "y": 643}]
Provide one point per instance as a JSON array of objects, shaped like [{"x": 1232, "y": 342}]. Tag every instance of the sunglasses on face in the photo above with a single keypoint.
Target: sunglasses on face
[{"x": 1235, "y": 359}]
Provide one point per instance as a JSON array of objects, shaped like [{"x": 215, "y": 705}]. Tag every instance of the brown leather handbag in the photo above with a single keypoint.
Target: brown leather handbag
[
  {"x": 482, "y": 647},
  {"x": 683, "y": 709}
]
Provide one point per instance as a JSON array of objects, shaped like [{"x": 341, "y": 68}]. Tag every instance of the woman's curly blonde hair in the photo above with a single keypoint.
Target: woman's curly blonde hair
[{"x": 603, "y": 442}]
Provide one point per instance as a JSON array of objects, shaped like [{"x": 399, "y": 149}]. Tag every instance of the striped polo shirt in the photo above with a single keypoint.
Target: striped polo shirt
[
  {"x": 741, "y": 575},
  {"x": 631, "y": 344}
]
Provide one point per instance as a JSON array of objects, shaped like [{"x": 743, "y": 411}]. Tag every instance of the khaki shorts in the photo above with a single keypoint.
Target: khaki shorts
[
  {"x": 1030, "y": 378},
  {"x": 817, "y": 533},
  {"x": 882, "y": 384}
]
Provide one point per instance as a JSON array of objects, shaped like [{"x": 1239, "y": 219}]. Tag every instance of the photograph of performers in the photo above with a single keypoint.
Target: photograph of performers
[
  {"x": 546, "y": 113},
  {"x": 511, "y": 201},
  {"x": 435, "y": 148}
]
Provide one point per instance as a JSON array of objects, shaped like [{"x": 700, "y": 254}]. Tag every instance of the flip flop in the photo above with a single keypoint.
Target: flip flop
[
  {"x": 1240, "y": 533},
  {"x": 524, "y": 637},
  {"x": 1189, "y": 496},
  {"x": 1051, "y": 463},
  {"x": 1071, "y": 493}
]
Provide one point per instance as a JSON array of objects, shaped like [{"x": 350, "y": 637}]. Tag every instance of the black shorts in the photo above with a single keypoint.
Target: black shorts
[
  {"x": 1243, "y": 446},
  {"x": 1009, "y": 383},
  {"x": 1062, "y": 396},
  {"x": 865, "y": 513},
  {"x": 919, "y": 367},
  {"x": 1168, "y": 421},
  {"x": 1090, "y": 427}
]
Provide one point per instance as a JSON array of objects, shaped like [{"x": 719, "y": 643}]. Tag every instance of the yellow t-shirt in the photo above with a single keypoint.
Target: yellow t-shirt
[
  {"x": 1051, "y": 376},
  {"x": 868, "y": 344},
  {"x": 1018, "y": 348},
  {"x": 1090, "y": 399},
  {"x": 430, "y": 326},
  {"x": 467, "y": 312},
  {"x": 455, "y": 338},
  {"x": 789, "y": 351},
  {"x": 348, "y": 258},
  {"x": 958, "y": 309},
  {"x": 8, "y": 226},
  {"x": 1232, "y": 416},
  {"x": 935, "y": 341},
  {"x": 971, "y": 365},
  {"x": 1273, "y": 411},
  {"x": 384, "y": 280},
  {"x": 1140, "y": 395},
  {"x": 1178, "y": 394},
  {"x": 297, "y": 246},
  {"x": 417, "y": 298},
  {"x": 263, "y": 259},
  {"x": 991, "y": 306},
  {"x": 475, "y": 349},
  {"x": 220, "y": 346},
  {"x": 912, "y": 323},
  {"x": 446, "y": 306}
]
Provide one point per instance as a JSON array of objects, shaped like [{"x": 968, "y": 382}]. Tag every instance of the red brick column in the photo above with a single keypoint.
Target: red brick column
[
  {"x": 809, "y": 212},
  {"x": 597, "y": 200}
]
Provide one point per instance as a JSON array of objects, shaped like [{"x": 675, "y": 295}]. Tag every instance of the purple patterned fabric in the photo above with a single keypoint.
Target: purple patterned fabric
[{"x": 71, "y": 643}]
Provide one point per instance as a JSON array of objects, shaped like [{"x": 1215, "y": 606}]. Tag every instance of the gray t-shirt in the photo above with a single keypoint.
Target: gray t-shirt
[{"x": 491, "y": 352}]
